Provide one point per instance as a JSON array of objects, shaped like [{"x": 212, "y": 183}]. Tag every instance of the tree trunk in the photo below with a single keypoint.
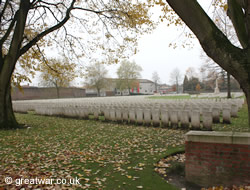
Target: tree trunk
[
  {"x": 57, "y": 92},
  {"x": 228, "y": 85},
  {"x": 7, "y": 117},
  {"x": 233, "y": 59},
  {"x": 247, "y": 93},
  {"x": 7, "y": 66},
  {"x": 177, "y": 88},
  {"x": 98, "y": 92}
]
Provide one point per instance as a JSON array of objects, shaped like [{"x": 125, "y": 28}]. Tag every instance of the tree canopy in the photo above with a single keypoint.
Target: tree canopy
[
  {"x": 175, "y": 78},
  {"x": 156, "y": 79},
  {"x": 127, "y": 74},
  {"x": 102, "y": 27},
  {"x": 95, "y": 76},
  {"x": 57, "y": 73},
  {"x": 73, "y": 27}
]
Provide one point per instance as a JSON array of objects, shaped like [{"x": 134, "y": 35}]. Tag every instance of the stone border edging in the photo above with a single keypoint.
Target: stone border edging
[{"x": 218, "y": 137}]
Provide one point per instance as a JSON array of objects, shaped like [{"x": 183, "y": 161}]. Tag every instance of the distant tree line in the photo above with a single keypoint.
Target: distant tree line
[{"x": 195, "y": 85}]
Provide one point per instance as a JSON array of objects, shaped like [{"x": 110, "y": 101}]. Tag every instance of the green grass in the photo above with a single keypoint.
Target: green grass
[
  {"x": 103, "y": 155},
  {"x": 170, "y": 97},
  {"x": 173, "y": 97},
  {"x": 239, "y": 124}
]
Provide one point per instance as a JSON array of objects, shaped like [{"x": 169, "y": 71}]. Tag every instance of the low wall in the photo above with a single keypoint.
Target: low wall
[
  {"x": 217, "y": 158},
  {"x": 32, "y": 93}
]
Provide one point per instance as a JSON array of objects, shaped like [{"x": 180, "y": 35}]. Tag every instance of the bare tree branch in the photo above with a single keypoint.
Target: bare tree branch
[
  {"x": 4, "y": 8},
  {"x": 44, "y": 33},
  {"x": 6, "y": 35}
]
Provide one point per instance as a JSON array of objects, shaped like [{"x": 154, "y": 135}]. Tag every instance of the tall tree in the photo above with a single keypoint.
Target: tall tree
[
  {"x": 57, "y": 73},
  {"x": 156, "y": 79},
  {"x": 175, "y": 78},
  {"x": 185, "y": 84},
  {"x": 95, "y": 76},
  {"x": 190, "y": 73},
  {"x": 234, "y": 60},
  {"x": 127, "y": 74},
  {"x": 224, "y": 23},
  {"x": 198, "y": 88},
  {"x": 192, "y": 83},
  {"x": 24, "y": 24}
]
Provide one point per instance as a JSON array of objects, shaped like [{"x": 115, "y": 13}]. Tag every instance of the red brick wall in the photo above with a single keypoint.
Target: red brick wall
[
  {"x": 31, "y": 93},
  {"x": 214, "y": 164}
]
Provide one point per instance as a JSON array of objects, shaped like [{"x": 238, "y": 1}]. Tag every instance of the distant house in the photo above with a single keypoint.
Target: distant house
[
  {"x": 165, "y": 89},
  {"x": 145, "y": 86},
  {"x": 140, "y": 86}
]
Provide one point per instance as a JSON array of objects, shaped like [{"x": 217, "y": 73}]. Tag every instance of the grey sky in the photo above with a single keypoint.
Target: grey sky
[{"x": 156, "y": 55}]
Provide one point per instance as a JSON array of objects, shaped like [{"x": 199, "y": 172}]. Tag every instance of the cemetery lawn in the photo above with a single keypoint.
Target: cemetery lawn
[
  {"x": 171, "y": 97},
  {"x": 102, "y": 155},
  {"x": 239, "y": 124}
]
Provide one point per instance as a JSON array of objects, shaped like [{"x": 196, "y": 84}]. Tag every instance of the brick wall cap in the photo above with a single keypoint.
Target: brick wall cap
[{"x": 218, "y": 137}]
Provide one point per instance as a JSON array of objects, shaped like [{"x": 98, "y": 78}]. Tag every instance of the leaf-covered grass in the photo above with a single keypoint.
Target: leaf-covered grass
[{"x": 102, "y": 155}]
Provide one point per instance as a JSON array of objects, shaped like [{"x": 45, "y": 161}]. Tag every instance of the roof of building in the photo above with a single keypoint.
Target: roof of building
[
  {"x": 139, "y": 80},
  {"x": 145, "y": 81}
]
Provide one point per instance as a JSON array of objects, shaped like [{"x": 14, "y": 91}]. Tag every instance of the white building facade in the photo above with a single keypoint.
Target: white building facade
[{"x": 141, "y": 86}]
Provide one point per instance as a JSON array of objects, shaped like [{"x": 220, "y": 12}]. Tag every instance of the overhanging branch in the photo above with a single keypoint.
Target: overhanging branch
[
  {"x": 44, "y": 33},
  {"x": 213, "y": 41},
  {"x": 235, "y": 13},
  {"x": 6, "y": 35},
  {"x": 4, "y": 8}
]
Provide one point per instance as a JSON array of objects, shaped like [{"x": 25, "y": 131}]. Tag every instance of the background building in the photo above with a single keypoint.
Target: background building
[{"x": 140, "y": 86}]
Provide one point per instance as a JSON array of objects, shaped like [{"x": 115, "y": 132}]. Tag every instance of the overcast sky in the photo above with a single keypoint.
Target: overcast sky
[{"x": 156, "y": 55}]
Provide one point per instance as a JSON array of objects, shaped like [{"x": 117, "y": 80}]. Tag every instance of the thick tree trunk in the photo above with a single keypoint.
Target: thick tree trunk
[
  {"x": 234, "y": 60},
  {"x": 228, "y": 85},
  {"x": 7, "y": 117},
  {"x": 247, "y": 93},
  {"x": 14, "y": 50},
  {"x": 7, "y": 66},
  {"x": 248, "y": 105}
]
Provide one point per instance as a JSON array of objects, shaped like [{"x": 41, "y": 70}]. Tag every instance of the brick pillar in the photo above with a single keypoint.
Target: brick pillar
[{"x": 217, "y": 158}]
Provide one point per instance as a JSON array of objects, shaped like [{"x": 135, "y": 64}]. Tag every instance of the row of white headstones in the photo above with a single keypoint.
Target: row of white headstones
[{"x": 190, "y": 113}]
